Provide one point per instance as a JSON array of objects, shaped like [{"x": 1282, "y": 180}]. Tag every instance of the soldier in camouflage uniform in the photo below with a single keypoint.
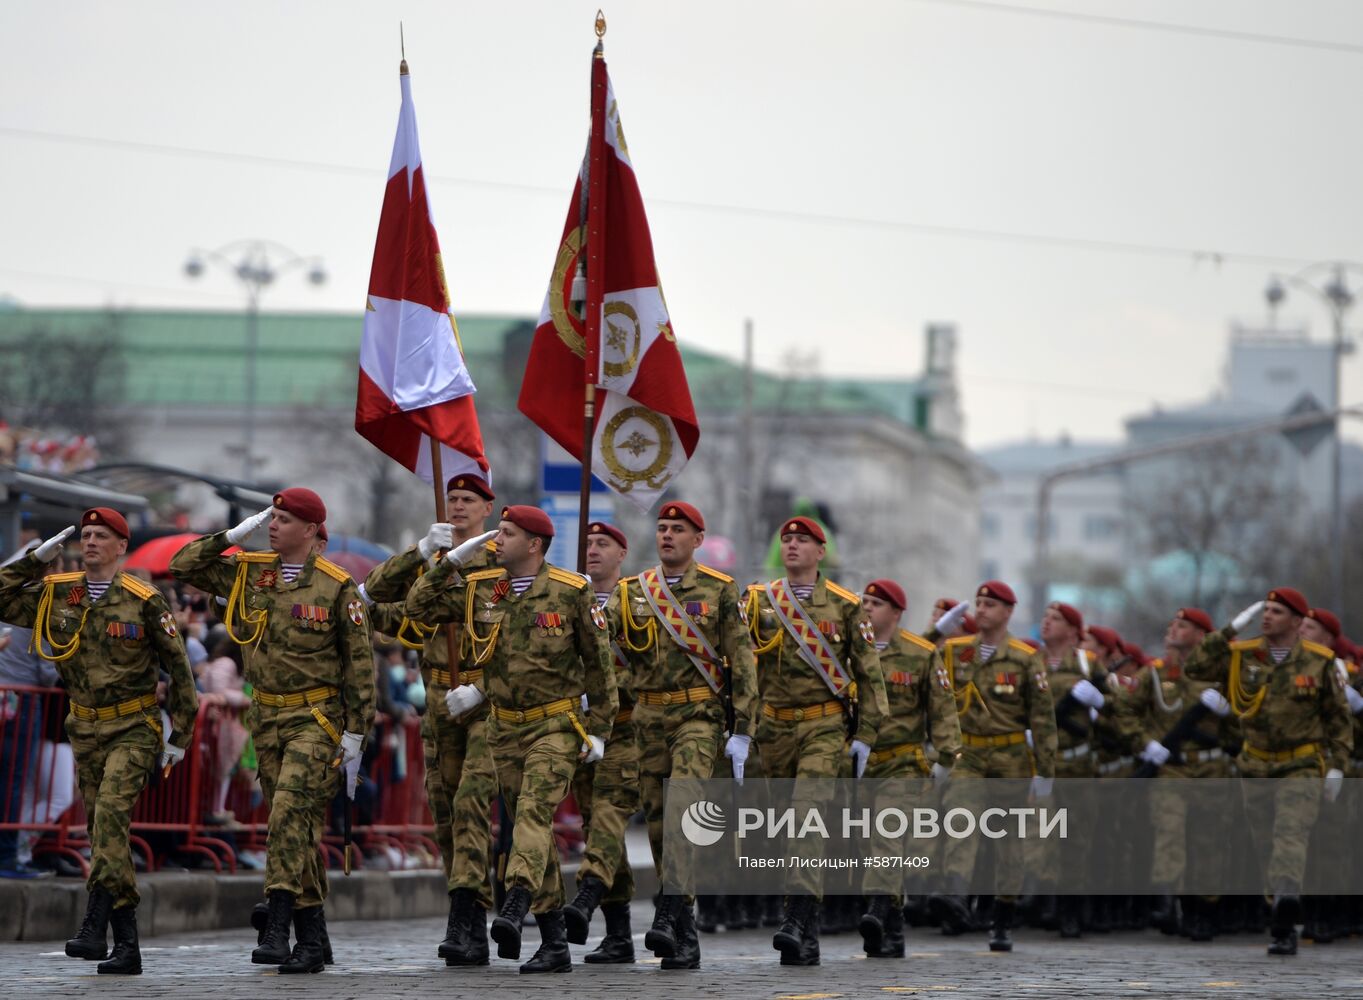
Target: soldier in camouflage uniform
[
  {"x": 1323, "y": 914},
  {"x": 823, "y": 696},
  {"x": 461, "y": 781},
  {"x": 607, "y": 792},
  {"x": 1291, "y": 704},
  {"x": 921, "y": 706},
  {"x": 309, "y": 661},
  {"x": 1002, "y": 689},
  {"x": 109, "y": 635},
  {"x": 541, "y": 642},
  {"x": 681, "y": 630}
]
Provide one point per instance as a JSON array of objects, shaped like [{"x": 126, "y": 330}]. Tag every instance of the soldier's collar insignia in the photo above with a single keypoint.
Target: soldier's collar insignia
[{"x": 267, "y": 578}]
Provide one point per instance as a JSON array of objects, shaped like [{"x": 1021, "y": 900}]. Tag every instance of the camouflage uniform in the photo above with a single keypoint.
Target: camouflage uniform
[
  {"x": 802, "y": 731},
  {"x": 124, "y": 639},
  {"x": 538, "y": 652},
  {"x": 311, "y": 669},
  {"x": 997, "y": 700},
  {"x": 1296, "y": 726},
  {"x": 678, "y": 720},
  {"x": 461, "y": 781}
]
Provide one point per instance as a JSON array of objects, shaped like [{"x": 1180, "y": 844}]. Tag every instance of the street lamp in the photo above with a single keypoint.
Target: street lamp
[
  {"x": 255, "y": 264},
  {"x": 1326, "y": 282}
]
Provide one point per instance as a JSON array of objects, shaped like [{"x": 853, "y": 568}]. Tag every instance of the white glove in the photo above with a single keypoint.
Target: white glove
[
  {"x": 1246, "y": 616},
  {"x": 248, "y": 527},
  {"x": 364, "y": 596},
  {"x": 950, "y": 619},
  {"x": 351, "y": 743},
  {"x": 170, "y": 756},
  {"x": 1041, "y": 787},
  {"x": 1216, "y": 701},
  {"x": 736, "y": 749},
  {"x": 592, "y": 750},
  {"x": 1355, "y": 700},
  {"x": 940, "y": 774},
  {"x": 52, "y": 548},
  {"x": 463, "y": 698},
  {"x": 860, "y": 753},
  {"x": 1155, "y": 753},
  {"x": 1086, "y": 694},
  {"x": 351, "y": 769},
  {"x": 439, "y": 536},
  {"x": 586, "y": 706},
  {"x": 1334, "y": 783},
  {"x": 1028, "y": 737},
  {"x": 467, "y": 550}
]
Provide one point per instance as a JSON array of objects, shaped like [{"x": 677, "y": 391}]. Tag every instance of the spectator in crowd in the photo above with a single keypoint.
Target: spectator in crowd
[{"x": 220, "y": 679}]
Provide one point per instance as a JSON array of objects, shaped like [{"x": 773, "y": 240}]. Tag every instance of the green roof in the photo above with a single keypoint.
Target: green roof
[{"x": 193, "y": 357}]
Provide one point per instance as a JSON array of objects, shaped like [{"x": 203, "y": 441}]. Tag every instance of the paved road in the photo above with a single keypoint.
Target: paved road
[{"x": 398, "y": 957}]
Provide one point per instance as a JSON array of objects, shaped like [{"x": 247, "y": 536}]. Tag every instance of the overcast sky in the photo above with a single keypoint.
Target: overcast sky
[{"x": 843, "y": 173}]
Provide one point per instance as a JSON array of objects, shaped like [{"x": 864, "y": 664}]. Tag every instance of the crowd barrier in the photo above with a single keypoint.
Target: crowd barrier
[{"x": 210, "y": 808}]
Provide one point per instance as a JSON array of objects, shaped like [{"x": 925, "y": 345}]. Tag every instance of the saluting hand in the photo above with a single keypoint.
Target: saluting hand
[
  {"x": 439, "y": 536},
  {"x": 248, "y": 527},
  {"x": 52, "y": 548},
  {"x": 1245, "y": 617},
  {"x": 949, "y": 621},
  {"x": 467, "y": 550}
]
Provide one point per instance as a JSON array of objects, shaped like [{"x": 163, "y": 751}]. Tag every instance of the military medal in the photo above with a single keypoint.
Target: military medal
[
  {"x": 167, "y": 621},
  {"x": 598, "y": 618},
  {"x": 867, "y": 632},
  {"x": 74, "y": 595},
  {"x": 943, "y": 679},
  {"x": 266, "y": 579}
]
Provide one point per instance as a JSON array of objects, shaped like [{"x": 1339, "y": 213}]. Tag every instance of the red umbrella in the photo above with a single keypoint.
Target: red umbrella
[
  {"x": 154, "y": 556},
  {"x": 356, "y": 564}
]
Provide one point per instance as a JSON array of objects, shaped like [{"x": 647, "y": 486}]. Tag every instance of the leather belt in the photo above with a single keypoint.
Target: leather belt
[
  {"x": 879, "y": 756},
  {"x": 1002, "y": 740},
  {"x": 624, "y": 715},
  {"x": 444, "y": 677},
  {"x": 110, "y": 712},
  {"x": 820, "y": 711},
  {"x": 312, "y": 696},
  {"x": 701, "y": 692},
  {"x": 1282, "y": 756},
  {"x": 563, "y": 706}
]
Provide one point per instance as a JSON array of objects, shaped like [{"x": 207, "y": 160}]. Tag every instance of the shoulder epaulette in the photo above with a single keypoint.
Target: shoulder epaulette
[
  {"x": 917, "y": 640},
  {"x": 332, "y": 570},
  {"x": 484, "y": 574},
  {"x": 565, "y": 576},
  {"x": 960, "y": 640},
  {"x": 1021, "y": 647},
  {"x": 491, "y": 546},
  {"x": 627, "y": 580},
  {"x": 1318, "y": 649},
  {"x": 756, "y": 588},
  {"x": 1243, "y": 644},
  {"x": 63, "y": 577},
  {"x": 844, "y": 593},
  {"x": 702, "y": 568},
  {"x": 138, "y": 588},
  {"x": 258, "y": 557}
]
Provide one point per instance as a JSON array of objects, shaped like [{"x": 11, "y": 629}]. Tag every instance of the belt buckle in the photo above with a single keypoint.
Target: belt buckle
[
  {"x": 799, "y": 715},
  {"x": 666, "y": 698},
  {"x": 520, "y": 716}
]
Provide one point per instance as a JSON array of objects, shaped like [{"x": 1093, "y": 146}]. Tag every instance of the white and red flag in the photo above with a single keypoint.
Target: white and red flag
[
  {"x": 414, "y": 386},
  {"x": 645, "y": 426}
]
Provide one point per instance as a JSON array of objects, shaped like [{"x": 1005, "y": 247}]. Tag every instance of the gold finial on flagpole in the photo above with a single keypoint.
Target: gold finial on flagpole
[
  {"x": 402, "y": 44},
  {"x": 600, "y": 24}
]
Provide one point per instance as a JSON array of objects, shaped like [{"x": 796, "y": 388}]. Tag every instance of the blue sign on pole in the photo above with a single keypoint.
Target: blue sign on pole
[{"x": 560, "y": 485}]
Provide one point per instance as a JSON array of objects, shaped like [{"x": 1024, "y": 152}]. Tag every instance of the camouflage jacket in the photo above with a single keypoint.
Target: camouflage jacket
[
  {"x": 312, "y": 632},
  {"x": 1163, "y": 692},
  {"x": 920, "y": 700},
  {"x": 547, "y": 644},
  {"x": 1281, "y": 706},
  {"x": 1008, "y": 693},
  {"x": 658, "y": 663},
  {"x": 788, "y": 681},
  {"x": 124, "y": 639},
  {"x": 1063, "y": 677}
]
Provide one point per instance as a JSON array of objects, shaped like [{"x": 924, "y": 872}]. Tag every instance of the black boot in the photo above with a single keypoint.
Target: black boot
[
  {"x": 306, "y": 956},
  {"x": 553, "y": 954},
  {"x": 617, "y": 947},
  {"x": 274, "y": 944},
  {"x": 951, "y": 908},
  {"x": 1163, "y": 913},
  {"x": 891, "y": 935},
  {"x": 999, "y": 938},
  {"x": 324, "y": 937},
  {"x": 1197, "y": 913},
  {"x": 915, "y": 911},
  {"x": 799, "y": 927},
  {"x": 475, "y": 939},
  {"x": 92, "y": 940},
  {"x": 1319, "y": 920},
  {"x": 743, "y": 912},
  {"x": 1283, "y": 923},
  {"x": 872, "y": 923},
  {"x": 455, "y": 945},
  {"x": 577, "y": 915},
  {"x": 260, "y": 919},
  {"x": 1067, "y": 916},
  {"x": 771, "y": 911},
  {"x": 687, "y": 953},
  {"x": 126, "y": 959},
  {"x": 707, "y": 918},
  {"x": 661, "y": 938},
  {"x": 506, "y": 928}
]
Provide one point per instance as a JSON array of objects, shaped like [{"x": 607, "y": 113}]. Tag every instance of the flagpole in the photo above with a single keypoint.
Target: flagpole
[{"x": 592, "y": 218}]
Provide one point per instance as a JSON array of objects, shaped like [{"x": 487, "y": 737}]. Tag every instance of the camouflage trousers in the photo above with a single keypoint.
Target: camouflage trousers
[
  {"x": 674, "y": 741},
  {"x": 461, "y": 783},
  {"x": 607, "y": 795},
  {"x": 912, "y": 769},
  {"x": 1281, "y": 815},
  {"x": 295, "y": 755},
  {"x": 113, "y": 762},
  {"x": 809, "y": 748},
  {"x": 1179, "y": 829},
  {"x": 1046, "y": 859},
  {"x": 965, "y": 790},
  {"x": 535, "y": 764}
]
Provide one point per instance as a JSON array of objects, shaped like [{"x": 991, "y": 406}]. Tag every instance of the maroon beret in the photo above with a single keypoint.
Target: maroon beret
[
  {"x": 322, "y": 532},
  {"x": 532, "y": 519},
  {"x": 1196, "y": 616},
  {"x": 1347, "y": 649},
  {"x": 888, "y": 590},
  {"x": 471, "y": 484},
  {"x": 109, "y": 518},
  {"x": 1328, "y": 619},
  {"x": 301, "y": 502},
  {"x": 944, "y": 604},
  {"x": 609, "y": 530},
  {"x": 998, "y": 590},
  {"x": 804, "y": 526},
  {"x": 676, "y": 510},
  {"x": 1107, "y": 637},
  {"x": 1069, "y": 612},
  {"x": 969, "y": 626},
  {"x": 1030, "y": 643},
  {"x": 1135, "y": 652},
  {"x": 1290, "y": 599}
]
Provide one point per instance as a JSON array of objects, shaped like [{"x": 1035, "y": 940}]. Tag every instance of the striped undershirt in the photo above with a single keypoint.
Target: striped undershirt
[
  {"x": 672, "y": 581},
  {"x": 290, "y": 571},
  {"x": 880, "y": 646},
  {"x": 1279, "y": 653},
  {"x": 520, "y": 584},
  {"x": 602, "y": 596},
  {"x": 96, "y": 588},
  {"x": 987, "y": 652},
  {"x": 803, "y": 591}
]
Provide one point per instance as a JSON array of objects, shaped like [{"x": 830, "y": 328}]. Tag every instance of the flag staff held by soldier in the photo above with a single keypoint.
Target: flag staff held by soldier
[{"x": 109, "y": 635}]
